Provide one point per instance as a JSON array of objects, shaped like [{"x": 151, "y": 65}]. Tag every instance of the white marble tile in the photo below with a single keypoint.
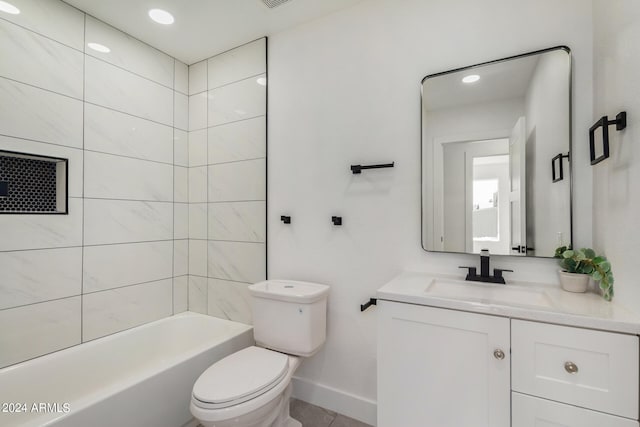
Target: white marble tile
[
  {"x": 198, "y": 77},
  {"x": 123, "y": 221},
  {"x": 134, "y": 262},
  {"x": 237, "y": 181},
  {"x": 198, "y": 148},
  {"x": 31, "y": 53},
  {"x": 239, "y": 221},
  {"x": 111, "y": 311},
  {"x": 32, "y": 113},
  {"x": 181, "y": 77},
  {"x": 74, "y": 155},
  {"x": 112, "y": 87},
  {"x": 34, "y": 276},
  {"x": 180, "y": 148},
  {"x": 198, "y": 221},
  {"x": 180, "y": 220},
  {"x": 180, "y": 294},
  {"x": 53, "y": 19},
  {"x": 198, "y": 184},
  {"x": 181, "y": 111},
  {"x": 109, "y": 176},
  {"x": 198, "y": 111},
  {"x": 237, "y": 101},
  {"x": 243, "y": 140},
  {"x": 198, "y": 294},
  {"x": 237, "y": 64},
  {"x": 42, "y": 231},
  {"x": 229, "y": 300},
  {"x": 113, "y": 132},
  {"x": 239, "y": 261},
  {"x": 198, "y": 257},
  {"x": 129, "y": 53},
  {"x": 180, "y": 184},
  {"x": 33, "y": 330},
  {"x": 180, "y": 257}
]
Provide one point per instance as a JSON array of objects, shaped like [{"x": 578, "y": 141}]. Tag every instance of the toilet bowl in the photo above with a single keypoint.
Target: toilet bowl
[{"x": 252, "y": 387}]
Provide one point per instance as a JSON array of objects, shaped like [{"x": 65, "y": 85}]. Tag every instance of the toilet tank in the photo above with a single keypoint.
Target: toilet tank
[{"x": 289, "y": 316}]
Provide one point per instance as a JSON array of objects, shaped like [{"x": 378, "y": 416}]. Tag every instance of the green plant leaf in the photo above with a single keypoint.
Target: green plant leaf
[
  {"x": 568, "y": 254},
  {"x": 579, "y": 255},
  {"x": 605, "y": 266},
  {"x": 587, "y": 269},
  {"x": 610, "y": 277},
  {"x": 599, "y": 260},
  {"x": 596, "y": 275},
  {"x": 589, "y": 253}
]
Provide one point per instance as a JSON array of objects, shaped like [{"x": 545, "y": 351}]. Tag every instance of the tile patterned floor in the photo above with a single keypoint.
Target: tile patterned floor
[{"x": 314, "y": 416}]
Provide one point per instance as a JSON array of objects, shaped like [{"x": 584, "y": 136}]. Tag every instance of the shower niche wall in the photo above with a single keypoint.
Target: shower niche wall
[{"x": 32, "y": 184}]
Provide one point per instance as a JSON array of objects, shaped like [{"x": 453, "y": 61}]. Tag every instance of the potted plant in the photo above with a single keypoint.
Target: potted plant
[{"x": 579, "y": 265}]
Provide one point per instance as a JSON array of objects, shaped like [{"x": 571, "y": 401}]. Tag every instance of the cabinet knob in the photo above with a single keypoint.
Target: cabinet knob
[
  {"x": 571, "y": 367},
  {"x": 498, "y": 354}
]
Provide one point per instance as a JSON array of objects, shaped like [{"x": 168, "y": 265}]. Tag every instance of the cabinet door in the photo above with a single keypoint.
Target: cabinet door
[
  {"x": 592, "y": 369},
  {"x": 436, "y": 368},
  {"x": 531, "y": 411}
]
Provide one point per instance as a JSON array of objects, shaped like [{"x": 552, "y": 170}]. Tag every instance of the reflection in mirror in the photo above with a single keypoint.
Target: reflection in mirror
[{"x": 494, "y": 137}]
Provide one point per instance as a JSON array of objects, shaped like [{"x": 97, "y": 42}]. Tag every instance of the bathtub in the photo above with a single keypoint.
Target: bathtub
[{"x": 141, "y": 377}]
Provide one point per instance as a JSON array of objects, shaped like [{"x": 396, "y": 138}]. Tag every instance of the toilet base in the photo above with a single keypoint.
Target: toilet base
[{"x": 273, "y": 414}]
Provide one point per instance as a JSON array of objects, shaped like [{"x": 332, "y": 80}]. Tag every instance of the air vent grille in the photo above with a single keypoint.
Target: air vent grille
[{"x": 274, "y": 3}]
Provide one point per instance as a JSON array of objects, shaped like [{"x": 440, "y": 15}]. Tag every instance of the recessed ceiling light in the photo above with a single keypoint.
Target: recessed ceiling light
[
  {"x": 99, "y": 47},
  {"x": 262, "y": 81},
  {"x": 161, "y": 16},
  {"x": 9, "y": 8},
  {"x": 472, "y": 78}
]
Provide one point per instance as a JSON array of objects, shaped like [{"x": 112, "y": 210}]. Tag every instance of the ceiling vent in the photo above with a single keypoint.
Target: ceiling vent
[{"x": 274, "y": 3}]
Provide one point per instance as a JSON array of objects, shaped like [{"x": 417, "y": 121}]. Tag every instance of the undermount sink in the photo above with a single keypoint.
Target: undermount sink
[{"x": 488, "y": 293}]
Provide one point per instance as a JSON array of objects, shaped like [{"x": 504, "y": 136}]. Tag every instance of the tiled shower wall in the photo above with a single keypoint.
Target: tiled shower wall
[
  {"x": 120, "y": 257},
  {"x": 227, "y": 180}
]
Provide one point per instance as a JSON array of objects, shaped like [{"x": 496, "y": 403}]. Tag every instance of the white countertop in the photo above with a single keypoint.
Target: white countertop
[{"x": 520, "y": 300}]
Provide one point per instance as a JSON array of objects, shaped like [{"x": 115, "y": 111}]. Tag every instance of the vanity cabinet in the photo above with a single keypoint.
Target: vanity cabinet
[
  {"x": 448, "y": 368},
  {"x": 440, "y": 368}
]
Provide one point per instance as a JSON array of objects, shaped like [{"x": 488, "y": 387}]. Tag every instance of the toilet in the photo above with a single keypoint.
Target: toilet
[{"x": 252, "y": 387}]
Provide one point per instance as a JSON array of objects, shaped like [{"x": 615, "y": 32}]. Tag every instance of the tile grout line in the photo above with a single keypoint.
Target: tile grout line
[
  {"x": 173, "y": 205},
  {"x": 84, "y": 83}
]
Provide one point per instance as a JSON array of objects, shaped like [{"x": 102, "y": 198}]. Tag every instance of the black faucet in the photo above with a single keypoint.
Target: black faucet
[{"x": 484, "y": 276}]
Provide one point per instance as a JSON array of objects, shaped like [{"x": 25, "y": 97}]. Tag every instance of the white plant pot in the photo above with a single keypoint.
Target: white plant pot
[{"x": 574, "y": 282}]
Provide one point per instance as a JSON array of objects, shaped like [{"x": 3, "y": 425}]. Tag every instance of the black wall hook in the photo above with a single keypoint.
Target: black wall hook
[
  {"x": 286, "y": 219},
  {"x": 604, "y": 123},
  {"x": 337, "y": 220}
]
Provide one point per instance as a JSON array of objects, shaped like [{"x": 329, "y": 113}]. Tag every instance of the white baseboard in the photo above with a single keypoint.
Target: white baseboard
[{"x": 352, "y": 406}]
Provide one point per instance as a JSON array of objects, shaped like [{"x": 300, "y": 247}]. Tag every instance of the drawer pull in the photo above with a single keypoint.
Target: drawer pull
[
  {"x": 571, "y": 367},
  {"x": 498, "y": 354}
]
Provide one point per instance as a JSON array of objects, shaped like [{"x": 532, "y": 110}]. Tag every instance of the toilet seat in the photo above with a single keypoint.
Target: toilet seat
[{"x": 240, "y": 377}]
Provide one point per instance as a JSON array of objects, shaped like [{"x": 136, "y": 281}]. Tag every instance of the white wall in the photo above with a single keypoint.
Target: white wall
[
  {"x": 615, "y": 193},
  {"x": 227, "y": 180},
  {"x": 548, "y": 134},
  {"x": 120, "y": 118},
  {"x": 346, "y": 89}
]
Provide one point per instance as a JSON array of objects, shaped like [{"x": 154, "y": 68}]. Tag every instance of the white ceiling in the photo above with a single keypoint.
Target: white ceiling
[
  {"x": 498, "y": 81},
  {"x": 204, "y": 28}
]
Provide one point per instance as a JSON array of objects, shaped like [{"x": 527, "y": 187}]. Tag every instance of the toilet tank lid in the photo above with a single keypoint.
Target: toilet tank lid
[{"x": 289, "y": 290}]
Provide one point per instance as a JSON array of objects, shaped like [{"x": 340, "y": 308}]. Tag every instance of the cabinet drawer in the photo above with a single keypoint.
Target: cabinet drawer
[
  {"x": 528, "y": 411},
  {"x": 592, "y": 369}
]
